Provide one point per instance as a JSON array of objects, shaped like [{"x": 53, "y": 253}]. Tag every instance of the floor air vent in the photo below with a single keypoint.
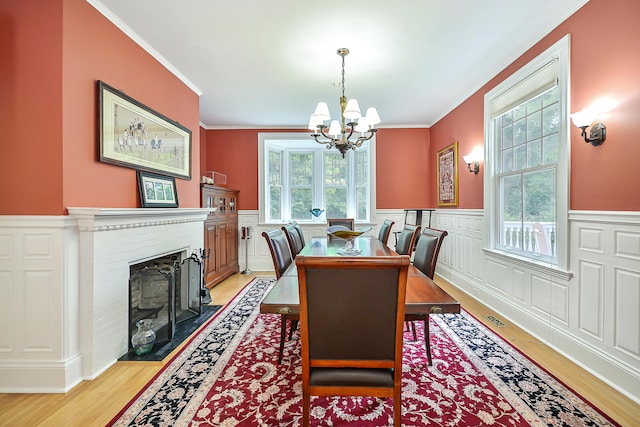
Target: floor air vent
[{"x": 493, "y": 319}]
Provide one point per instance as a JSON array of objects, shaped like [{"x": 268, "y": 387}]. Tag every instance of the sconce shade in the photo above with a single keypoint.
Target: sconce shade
[
  {"x": 471, "y": 158},
  {"x": 598, "y": 133},
  {"x": 583, "y": 118}
]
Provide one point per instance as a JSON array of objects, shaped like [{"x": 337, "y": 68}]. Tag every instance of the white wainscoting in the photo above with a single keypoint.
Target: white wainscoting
[{"x": 591, "y": 314}]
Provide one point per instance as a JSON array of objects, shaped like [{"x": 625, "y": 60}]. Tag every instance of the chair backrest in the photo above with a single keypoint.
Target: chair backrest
[
  {"x": 293, "y": 238},
  {"x": 300, "y": 233},
  {"x": 279, "y": 248},
  {"x": 425, "y": 256},
  {"x": 335, "y": 330},
  {"x": 346, "y": 222},
  {"x": 407, "y": 239},
  {"x": 385, "y": 230}
]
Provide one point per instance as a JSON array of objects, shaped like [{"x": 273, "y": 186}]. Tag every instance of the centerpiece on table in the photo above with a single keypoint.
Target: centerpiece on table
[{"x": 348, "y": 236}]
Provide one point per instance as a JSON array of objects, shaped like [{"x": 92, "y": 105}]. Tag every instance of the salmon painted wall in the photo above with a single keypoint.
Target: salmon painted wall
[
  {"x": 235, "y": 153},
  {"x": 31, "y": 107},
  {"x": 147, "y": 81},
  {"x": 74, "y": 46},
  {"x": 604, "y": 38},
  {"x": 402, "y": 168}
]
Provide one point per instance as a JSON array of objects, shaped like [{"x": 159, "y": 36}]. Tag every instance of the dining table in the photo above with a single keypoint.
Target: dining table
[{"x": 423, "y": 295}]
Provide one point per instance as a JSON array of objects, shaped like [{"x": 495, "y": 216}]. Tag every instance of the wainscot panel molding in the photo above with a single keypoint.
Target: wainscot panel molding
[
  {"x": 590, "y": 314},
  {"x": 39, "y": 342}
]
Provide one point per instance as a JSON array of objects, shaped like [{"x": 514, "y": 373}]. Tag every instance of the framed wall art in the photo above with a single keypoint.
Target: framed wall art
[
  {"x": 135, "y": 136},
  {"x": 447, "y": 173},
  {"x": 157, "y": 191}
]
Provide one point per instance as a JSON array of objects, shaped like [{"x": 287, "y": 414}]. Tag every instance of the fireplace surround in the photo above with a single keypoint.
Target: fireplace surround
[
  {"x": 64, "y": 287},
  {"x": 111, "y": 240}
]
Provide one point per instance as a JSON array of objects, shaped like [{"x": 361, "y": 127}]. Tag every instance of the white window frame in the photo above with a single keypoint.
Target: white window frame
[
  {"x": 560, "y": 51},
  {"x": 302, "y": 142}
]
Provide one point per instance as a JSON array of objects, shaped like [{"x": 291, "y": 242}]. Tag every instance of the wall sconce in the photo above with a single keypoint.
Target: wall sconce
[
  {"x": 597, "y": 134},
  {"x": 473, "y": 157}
]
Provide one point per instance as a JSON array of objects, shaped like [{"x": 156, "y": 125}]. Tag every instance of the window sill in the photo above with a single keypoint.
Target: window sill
[{"x": 540, "y": 267}]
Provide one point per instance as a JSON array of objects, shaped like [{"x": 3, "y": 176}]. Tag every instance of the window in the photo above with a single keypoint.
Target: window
[
  {"x": 527, "y": 160},
  {"x": 297, "y": 174}
]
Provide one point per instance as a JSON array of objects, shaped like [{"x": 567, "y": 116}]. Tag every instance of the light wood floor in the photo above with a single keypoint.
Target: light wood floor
[{"x": 94, "y": 403}]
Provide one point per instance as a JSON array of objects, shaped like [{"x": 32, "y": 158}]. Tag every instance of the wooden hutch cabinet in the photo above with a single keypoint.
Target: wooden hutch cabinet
[{"x": 220, "y": 233}]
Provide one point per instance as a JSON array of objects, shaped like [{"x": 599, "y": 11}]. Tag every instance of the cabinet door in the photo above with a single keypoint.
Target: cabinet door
[
  {"x": 211, "y": 246},
  {"x": 223, "y": 236},
  {"x": 232, "y": 243}
]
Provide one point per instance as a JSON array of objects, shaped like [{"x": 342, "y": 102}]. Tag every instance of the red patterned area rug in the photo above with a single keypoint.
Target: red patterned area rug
[{"x": 228, "y": 376}]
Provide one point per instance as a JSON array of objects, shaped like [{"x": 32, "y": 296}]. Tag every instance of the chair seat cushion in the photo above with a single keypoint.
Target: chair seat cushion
[{"x": 351, "y": 377}]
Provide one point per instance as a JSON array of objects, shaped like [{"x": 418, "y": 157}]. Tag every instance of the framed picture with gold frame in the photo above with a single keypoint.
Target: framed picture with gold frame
[{"x": 447, "y": 173}]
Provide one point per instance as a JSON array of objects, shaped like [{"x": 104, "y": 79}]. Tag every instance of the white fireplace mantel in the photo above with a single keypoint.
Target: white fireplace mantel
[{"x": 102, "y": 219}]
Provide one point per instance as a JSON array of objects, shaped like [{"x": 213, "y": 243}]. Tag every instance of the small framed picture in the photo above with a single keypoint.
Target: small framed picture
[{"x": 157, "y": 191}]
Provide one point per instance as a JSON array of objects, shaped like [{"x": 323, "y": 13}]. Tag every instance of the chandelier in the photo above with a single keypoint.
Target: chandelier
[{"x": 341, "y": 135}]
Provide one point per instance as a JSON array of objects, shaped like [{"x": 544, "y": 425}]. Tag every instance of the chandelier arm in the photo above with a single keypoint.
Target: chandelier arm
[
  {"x": 331, "y": 141},
  {"x": 362, "y": 139},
  {"x": 351, "y": 126}
]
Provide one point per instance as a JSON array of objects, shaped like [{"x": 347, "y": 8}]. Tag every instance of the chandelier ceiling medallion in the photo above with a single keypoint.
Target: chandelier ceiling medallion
[{"x": 339, "y": 134}]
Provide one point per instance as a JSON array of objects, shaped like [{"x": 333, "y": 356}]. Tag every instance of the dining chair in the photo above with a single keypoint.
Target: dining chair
[
  {"x": 293, "y": 239},
  {"x": 425, "y": 258},
  {"x": 345, "y": 350},
  {"x": 385, "y": 230},
  {"x": 346, "y": 222},
  {"x": 282, "y": 258},
  {"x": 407, "y": 239},
  {"x": 299, "y": 230}
]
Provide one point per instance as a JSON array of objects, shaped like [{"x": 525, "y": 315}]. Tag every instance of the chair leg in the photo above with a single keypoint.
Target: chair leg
[
  {"x": 283, "y": 335},
  {"x": 397, "y": 407},
  {"x": 427, "y": 344},
  {"x": 413, "y": 329},
  {"x": 306, "y": 408},
  {"x": 293, "y": 327}
]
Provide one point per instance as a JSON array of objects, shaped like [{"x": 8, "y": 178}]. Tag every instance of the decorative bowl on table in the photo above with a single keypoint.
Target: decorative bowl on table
[{"x": 348, "y": 236}]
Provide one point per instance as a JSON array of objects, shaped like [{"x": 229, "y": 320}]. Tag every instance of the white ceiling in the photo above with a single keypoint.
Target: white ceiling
[{"x": 266, "y": 63}]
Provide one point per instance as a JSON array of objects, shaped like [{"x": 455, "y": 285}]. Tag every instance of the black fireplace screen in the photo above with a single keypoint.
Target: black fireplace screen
[{"x": 166, "y": 291}]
